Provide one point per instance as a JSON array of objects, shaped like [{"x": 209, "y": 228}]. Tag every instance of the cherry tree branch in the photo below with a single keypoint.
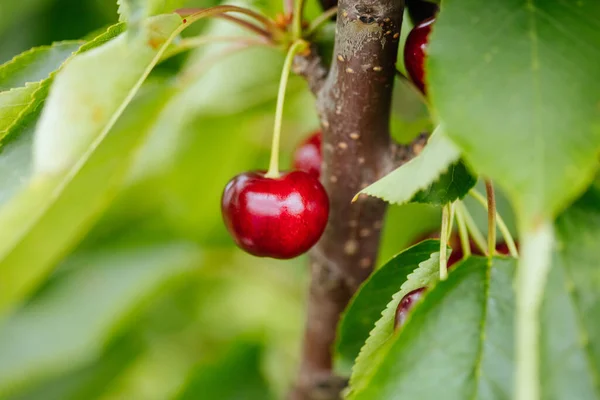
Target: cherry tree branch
[{"x": 353, "y": 101}]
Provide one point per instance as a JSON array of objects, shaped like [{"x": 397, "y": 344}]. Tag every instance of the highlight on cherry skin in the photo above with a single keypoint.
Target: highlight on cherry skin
[
  {"x": 279, "y": 217},
  {"x": 307, "y": 156},
  {"x": 415, "y": 52}
]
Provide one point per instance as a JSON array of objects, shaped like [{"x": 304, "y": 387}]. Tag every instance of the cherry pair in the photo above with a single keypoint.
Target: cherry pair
[{"x": 281, "y": 216}]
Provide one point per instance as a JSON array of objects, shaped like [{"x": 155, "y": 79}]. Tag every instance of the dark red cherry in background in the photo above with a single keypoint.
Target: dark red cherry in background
[
  {"x": 275, "y": 217},
  {"x": 420, "y": 10},
  {"x": 415, "y": 52},
  {"x": 406, "y": 305},
  {"x": 307, "y": 156}
]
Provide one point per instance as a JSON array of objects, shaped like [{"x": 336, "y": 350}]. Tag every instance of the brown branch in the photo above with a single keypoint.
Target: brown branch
[{"x": 353, "y": 102}]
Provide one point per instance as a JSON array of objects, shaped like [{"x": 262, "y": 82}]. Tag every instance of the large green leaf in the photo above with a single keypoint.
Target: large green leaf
[
  {"x": 436, "y": 176},
  {"x": 512, "y": 83},
  {"x": 569, "y": 331},
  {"x": 377, "y": 343},
  {"x": 373, "y": 296},
  {"x": 80, "y": 110},
  {"x": 49, "y": 335},
  {"x": 457, "y": 343},
  {"x": 71, "y": 201}
]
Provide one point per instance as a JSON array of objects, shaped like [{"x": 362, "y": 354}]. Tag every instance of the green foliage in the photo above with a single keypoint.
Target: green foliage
[
  {"x": 570, "y": 351},
  {"x": 459, "y": 337},
  {"x": 107, "y": 289},
  {"x": 235, "y": 376},
  {"x": 436, "y": 176},
  {"x": 36, "y": 64},
  {"x": 111, "y": 171},
  {"x": 519, "y": 99},
  {"x": 72, "y": 199},
  {"x": 377, "y": 344},
  {"x": 365, "y": 308}
]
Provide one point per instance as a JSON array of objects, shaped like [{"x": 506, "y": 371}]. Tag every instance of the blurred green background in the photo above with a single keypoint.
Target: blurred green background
[{"x": 156, "y": 302}]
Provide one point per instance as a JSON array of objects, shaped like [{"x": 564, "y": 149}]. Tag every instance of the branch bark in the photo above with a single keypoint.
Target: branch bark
[{"x": 353, "y": 102}]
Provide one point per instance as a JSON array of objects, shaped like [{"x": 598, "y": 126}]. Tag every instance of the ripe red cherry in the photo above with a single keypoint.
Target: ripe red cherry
[
  {"x": 275, "y": 217},
  {"x": 415, "y": 51},
  {"x": 307, "y": 156},
  {"x": 405, "y": 305}
]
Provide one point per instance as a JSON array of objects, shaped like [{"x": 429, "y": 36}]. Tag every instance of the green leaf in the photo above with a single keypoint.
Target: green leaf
[
  {"x": 377, "y": 343},
  {"x": 373, "y": 296},
  {"x": 569, "y": 331},
  {"x": 72, "y": 200},
  {"x": 80, "y": 111},
  {"x": 235, "y": 376},
  {"x": 36, "y": 64},
  {"x": 49, "y": 336},
  {"x": 30, "y": 75},
  {"x": 134, "y": 11},
  {"x": 15, "y": 104},
  {"x": 435, "y": 176},
  {"x": 458, "y": 341},
  {"x": 518, "y": 98}
]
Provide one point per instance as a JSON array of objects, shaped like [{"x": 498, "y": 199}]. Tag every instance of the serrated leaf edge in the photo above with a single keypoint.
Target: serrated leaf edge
[
  {"x": 373, "y": 350},
  {"x": 437, "y": 131},
  {"x": 44, "y": 83}
]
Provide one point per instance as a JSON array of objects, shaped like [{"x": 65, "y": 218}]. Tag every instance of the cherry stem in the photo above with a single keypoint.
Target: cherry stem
[
  {"x": 463, "y": 233},
  {"x": 510, "y": 242},
  {"x": 246, "y": 24},
  {"x": 491, "y": 201},
  {"x": 295, "y": 48},
  {"x": 193, "y": 14},
  {"x": 297, "y": 19},
  {"x": 444, "y": 242},
  {"x": 189, "y": 75},
  {"x": 451, "y": 220},
  {"x": 473, "y": 229},
  {"x": 321, "y": 20},
  {"x": 197, "y": 41}
]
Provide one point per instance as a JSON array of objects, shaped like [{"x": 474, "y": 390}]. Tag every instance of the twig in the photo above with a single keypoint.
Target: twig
[{"x": 353, "y": 102}]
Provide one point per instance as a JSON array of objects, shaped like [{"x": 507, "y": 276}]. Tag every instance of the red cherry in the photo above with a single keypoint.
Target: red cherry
[
  {"x": 415, "y": 50},
  {"x": 307, "y": 156},
  {"x": 275, "y": 217},
  {"x": 406, "y": 305}
]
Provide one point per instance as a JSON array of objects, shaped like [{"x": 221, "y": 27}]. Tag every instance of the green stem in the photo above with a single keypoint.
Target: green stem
[
  {"x": 451, "y": 220},
  {"x": 463, "y": 233},
  {"x": 197, "y": 41},
  {"x": 532, "y": 274},
  {"x": 491, "y": 202},
  {"x": 320, "y": 21},
  {"x": 510, "y": 242},
  {"x": 474, "y": 230},
  {"x": 297, "y": 21},
  {"x": 444, "y": 242},
  {"x": 296, "y": 47}
]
